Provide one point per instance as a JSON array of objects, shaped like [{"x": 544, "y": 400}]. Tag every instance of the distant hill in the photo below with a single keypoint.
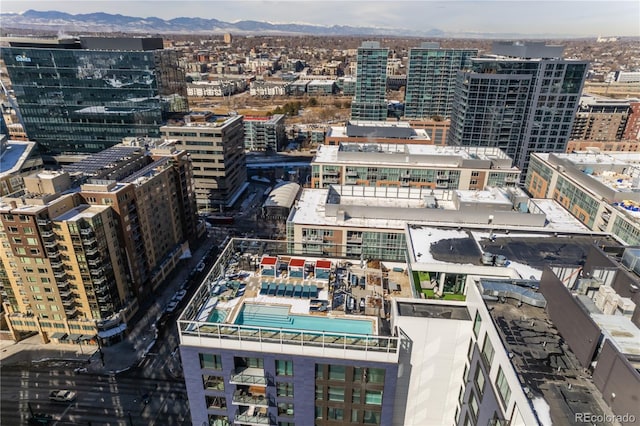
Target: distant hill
[{"x": 105, "y": 22}]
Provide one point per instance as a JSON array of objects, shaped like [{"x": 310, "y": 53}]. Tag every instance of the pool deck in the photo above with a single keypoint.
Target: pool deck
[{"x": 296, "y": 306}]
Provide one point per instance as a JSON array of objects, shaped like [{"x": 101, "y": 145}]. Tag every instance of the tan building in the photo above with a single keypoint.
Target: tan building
[
  {"x": 421, "y": 166},
  {"x": 216, "y": 149},
  {"x": 64, "y": 269},
  {"x": 78, "y": 262},
  {"x": 612, "y": 145}
]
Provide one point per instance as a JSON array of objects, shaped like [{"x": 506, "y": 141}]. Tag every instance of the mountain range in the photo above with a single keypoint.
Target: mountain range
[{"x": 105, "y": 22}]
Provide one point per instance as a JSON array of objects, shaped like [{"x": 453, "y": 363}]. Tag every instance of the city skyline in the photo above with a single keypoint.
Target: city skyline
[{"x": 569, "y": 18}]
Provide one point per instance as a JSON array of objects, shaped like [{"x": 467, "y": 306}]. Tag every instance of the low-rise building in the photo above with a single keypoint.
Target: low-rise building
[
  {"x": 17, "y": 159},
  {"x": 601, "y": 189},
  {"x": 412, "y": 165},
  {"x": 376, "y": 132}
]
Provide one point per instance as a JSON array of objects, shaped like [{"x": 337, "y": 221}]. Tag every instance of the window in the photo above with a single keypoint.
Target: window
[
  {"x": 284, "y": 368},
  {"x": 373, "y": 397},
  {"x": 318, "y": 412},
  {"x": 210, "y": 361},
  {"x": 335, "y": 413},
  {"x": 285, "y": 409},
  {"x": 213, "y": 383},
  {"x": 470, "y": 350},
  {"x": 336, "y": 372},
  {"x": 473, "y": 405},
  {"x": 286, "y": 424},
  {"x": 371, "y": 417},
  {"x": 285, "y": 389},
  {"x": 216, "y": 402},
  {"x": 479, "y": 380},
  {"x": 476, "y": 324},
  {"x": 336, "y": 393},
  {"x": 487, "y": 351},
  {"x": 503, "y": 387}
]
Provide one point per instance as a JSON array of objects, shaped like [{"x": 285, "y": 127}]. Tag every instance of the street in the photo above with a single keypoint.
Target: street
[{"x": 102, "y": 399}]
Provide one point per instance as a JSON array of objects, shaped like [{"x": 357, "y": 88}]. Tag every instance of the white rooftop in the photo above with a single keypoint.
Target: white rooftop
[
  {"x": 622, "y": 332},
  {"x": 417, "y": 155}
]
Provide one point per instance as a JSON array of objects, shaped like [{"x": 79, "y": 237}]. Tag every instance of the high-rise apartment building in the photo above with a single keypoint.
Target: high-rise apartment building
[
  {"x": 79, "y": 260},
  {"x": 87, "y": 94},
  {"x": 369, "y": 102},
  {"x": 431, "y": 78},
  {"x": 216, "y": 147},
  {"x": 522, "y": 99}
]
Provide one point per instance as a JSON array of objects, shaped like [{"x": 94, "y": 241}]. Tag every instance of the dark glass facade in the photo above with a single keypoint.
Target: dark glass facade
[
  {"x": 78, "y": 100},
  {"x": 431, "y": 80},
  {"x": 519, "y": 105}
]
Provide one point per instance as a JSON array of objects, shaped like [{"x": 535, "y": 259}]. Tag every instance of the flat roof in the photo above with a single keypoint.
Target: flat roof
[
  {"x": 526, "y": 252},
  {"x": 621, "y": 331},
  {"x": 83, "y": 211},
  {"x": 311, "y": 208},
  {"x": 430, "y": 310},
  {"x": 411, "y": 155},
  {"x": 544, "y": 363},
  {"x": 104, "y": 160},
  {"x": 14, "y": 156}
]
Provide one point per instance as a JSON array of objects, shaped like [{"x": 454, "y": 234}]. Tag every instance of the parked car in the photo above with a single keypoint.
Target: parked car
[
  {"x": 200, "y": 267},
  {"x": 173, "y": 304},
  {"x": 180, "y": 295},
  {"x": 62, "y": 395}
]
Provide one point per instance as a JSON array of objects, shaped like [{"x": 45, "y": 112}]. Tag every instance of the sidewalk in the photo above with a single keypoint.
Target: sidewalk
[{"x": 120, "y": 356}]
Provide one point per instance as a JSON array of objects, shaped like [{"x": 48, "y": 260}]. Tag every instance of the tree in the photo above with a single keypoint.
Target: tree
[{"x": 313, "y": 102}]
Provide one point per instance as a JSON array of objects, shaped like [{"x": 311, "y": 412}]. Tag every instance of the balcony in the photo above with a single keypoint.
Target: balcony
[
  {"x": 252, "y": 416},
  {"x": 53, "y": 254},
  {"x": 71, "y": 312},
  {"x": 88, "y": 241},
  {"x": 43, "y": 221},
  {"x": 97, "y": 272},
  {"x": 94, "y": 262},
  {"x": 65, "y": 293},
  {"x": 99, "y": 280},
  {"x": 56, "y": 264},
  {"x": 240, "y": 397},
  {"x": 249, "y": 376},
  {"x": 60, "y": 274},
  {"x": 47, "y": 233},
  {"x": 50, "y": 244},
  {"x": 91, "y": 251},
  {"x": 86, "y": 231}
]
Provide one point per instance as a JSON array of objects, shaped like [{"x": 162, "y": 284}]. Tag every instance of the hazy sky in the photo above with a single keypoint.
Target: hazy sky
[{"x": 565, "y": 17}]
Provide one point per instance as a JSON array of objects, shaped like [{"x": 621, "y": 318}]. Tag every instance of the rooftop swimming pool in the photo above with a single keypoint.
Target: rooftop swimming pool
[
  {"x": 217, "y": 315},
  {"x": 279, "y": 317}
]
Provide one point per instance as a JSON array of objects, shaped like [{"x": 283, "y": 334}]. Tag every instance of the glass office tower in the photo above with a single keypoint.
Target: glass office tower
[
  {"x": 431, "y": 78},
  {"x": 85, "y": 95},
  {"x": 522, "y": 99},
  {"x": 369, "y": 102}
]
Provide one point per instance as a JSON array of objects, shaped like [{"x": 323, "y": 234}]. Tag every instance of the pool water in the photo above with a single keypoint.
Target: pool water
[
  {"x": 279, "y": 317},
  {"x": 217, "y": 316}
]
